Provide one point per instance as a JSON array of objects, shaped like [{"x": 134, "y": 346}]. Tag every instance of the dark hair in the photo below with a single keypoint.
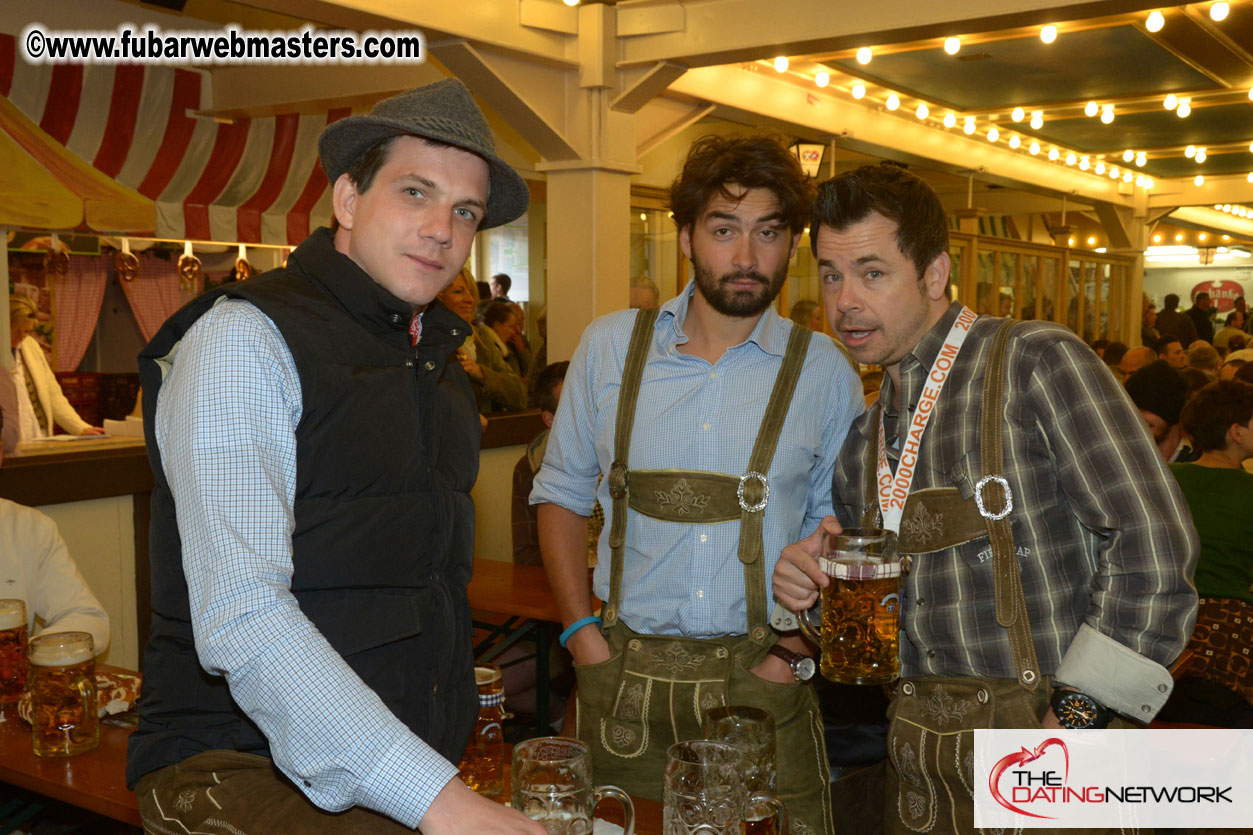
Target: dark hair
[
  {"x": 1231, "y": 317},
  {"x": 1161, "y": 344},
  {"x": 1114, "y": 352},
  {"x": 757, "y": 161},
  {"x": 366, "y": 167},
  {"x": 1196, "y": 379},
  {"x": 1199, "y": 296},
  {"x": 1217, "y": 406},
  {"x": 1245, "y": 373},
  {"x": 1170, "y": 302},
  {"x": 1237, "y": 342},
  {"x": 498, "y": 311},
  {"x": 546, "y": 385},
  {"x": 503, "y": 281},
  {"x": 891, "y": 191},
  {"x": 485, "y": 289}
]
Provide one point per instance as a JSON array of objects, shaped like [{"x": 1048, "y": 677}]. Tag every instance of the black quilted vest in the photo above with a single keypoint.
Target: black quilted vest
[{"x": 387, "y": 451}]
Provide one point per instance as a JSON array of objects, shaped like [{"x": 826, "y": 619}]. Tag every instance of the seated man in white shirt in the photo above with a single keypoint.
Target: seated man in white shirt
[
  {"x": 41, "y": 403},
  {"x": 35, "y": 566}
]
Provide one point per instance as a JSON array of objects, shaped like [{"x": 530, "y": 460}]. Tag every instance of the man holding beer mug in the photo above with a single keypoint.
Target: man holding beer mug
[
  {"x": 1023, "y": 490},
  {"x": 715, "y": 423},
  {"x": 314, "y": 442}
]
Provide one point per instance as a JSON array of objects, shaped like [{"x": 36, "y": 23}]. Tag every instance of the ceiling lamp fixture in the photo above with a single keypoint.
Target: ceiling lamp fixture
[
  {"x": 1184, "y": 109},
  {"x": 1250, "y": 177},
  {"x": 950, "y": 119},
  {"x": 1140, "y": 181},
  {"x": 822, "y": 78},
  {"x": 1128, "y": 155},
  {"x": 571, "y": 2},
  {"x": 952, "y": 45},
  {"x": 1198, "y": 180},
  {"x": 969, "y": 127},
  {"x": 1107, "y": 114},
  {"x": 1091, "y": 241},
  {"x": 1054, "y": 154},
  {"x": 1141, "y": 158},
  {"x": 1018, "y": 115},
  {"x": 1015, "y": 142},
  {"x": 1170, "y": 102},
  {"x": 1126, "y": 176},
  {"x": 1148, "y": 182},
  {"x": 1048, "y": 34},
  {"x": 1090, "y": 109},
  {"x": 1084, "y": 164},
  {"x": 1218, "y": 11},
  {"x": 1037, "y": 120},
  {"x": 863, "y": 55},
  {"x": 893, "y": 101},
  {"x": 1099, "y": 168},
  {"x": 1113, "y": 172},
  {"x": 923, "y": 111},
  {"x": 1156, "y": 20},
  {"x": 1200, "y": 155},
  {"x": 859, "y": 90},
  {"x": 1189, "y": 151},
  {"x": 993, "y": 134},
  {"x": 780, "y": 64},
  {"x": 1034, "y": 148},
  {"x": 1071, "y": 158}
]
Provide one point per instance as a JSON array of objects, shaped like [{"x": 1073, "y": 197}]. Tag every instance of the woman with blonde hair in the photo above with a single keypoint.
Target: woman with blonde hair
[{"x": 496, "y": 386}]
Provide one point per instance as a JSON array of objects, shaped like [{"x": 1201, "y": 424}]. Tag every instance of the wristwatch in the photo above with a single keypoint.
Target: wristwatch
[
  {"x": 1077, "y": 711},
  {"x": 803, "y": 666}
]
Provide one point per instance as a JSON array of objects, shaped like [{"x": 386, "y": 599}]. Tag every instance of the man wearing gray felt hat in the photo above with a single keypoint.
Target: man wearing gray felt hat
[{"x": 313, "y": 442}]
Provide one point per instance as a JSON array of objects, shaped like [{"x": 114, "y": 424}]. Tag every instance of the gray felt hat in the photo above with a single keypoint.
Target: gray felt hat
[{"x": 443, "y": 111}]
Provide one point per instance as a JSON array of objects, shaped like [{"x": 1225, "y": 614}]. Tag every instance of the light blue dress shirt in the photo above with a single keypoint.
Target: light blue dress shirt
[
  {"x": 687, "y": 579},
  {"x": 225, "y": 425}
]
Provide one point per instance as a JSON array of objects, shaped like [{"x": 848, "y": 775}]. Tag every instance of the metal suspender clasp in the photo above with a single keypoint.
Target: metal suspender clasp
[
  {"x": 760, "y": 504},
  {"x": 1009, "y": 497},
  {"x": 618, "y": 479}
]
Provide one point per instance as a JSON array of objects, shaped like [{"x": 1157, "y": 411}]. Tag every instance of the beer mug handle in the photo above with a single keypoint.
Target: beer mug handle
[
  {"x": 628, "y": 808},
  {"x": 87, "y": 692},
  {"x": 780, "y": 811},
  {"x": 810, "y": 621}
]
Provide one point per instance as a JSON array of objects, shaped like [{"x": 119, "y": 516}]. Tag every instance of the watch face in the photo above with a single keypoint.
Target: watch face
[
  {"x": 804, "y": 668},
  {"x": 1075, "y": 710}
]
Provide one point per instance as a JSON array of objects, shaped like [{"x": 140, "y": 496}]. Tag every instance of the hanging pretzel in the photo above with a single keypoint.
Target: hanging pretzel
[
  {"x": 56, "y": 263},
  {"x": 243, "y": 269},
  {"x": 126, "y": 265},
  {"x": 188, "y": 271}
]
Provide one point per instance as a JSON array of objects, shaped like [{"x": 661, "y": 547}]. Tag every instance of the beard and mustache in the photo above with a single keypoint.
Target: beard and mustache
[{"x": 731, "y": 301}]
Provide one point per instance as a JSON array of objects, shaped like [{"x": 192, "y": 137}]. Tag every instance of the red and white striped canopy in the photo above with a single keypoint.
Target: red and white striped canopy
[{"x": 255, "y": 181}]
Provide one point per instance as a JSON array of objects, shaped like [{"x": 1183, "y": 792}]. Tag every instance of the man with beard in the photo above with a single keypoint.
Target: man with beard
[{"x": 702, "y": 495}]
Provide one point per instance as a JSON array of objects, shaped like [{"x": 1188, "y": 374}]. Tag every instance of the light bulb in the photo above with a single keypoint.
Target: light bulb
[
  {"x": 1084, "y": 164},
  {"x": 1018, "y": 115},
  {"x": 1090, "y": 109},
  {"x": 1155, "y": 22},
  {"x": 893, "y": 102},
  {"x": 1126, "y": 176},
  {"x": 1037, "y": 120},
  {"x": 1014, "y": 142},
  {"x": 1113, "y": 172},
  {"x": 1071, "y": 159},
  {"x": 1189, "y": 151},
  {"x": 969, "y": 127},
  {"x": 1200, "y": 155},
  {"x": 1107, "y": 114},
  {"x": 1198, "y": 180},
  {"x": 1251, "y": 147},
  {"x": 1184, "y": 108},
  {"x": 1148, "y": 182},
  {"x": 859, "y": 91},
  {"x": 1054, "y": 154},
  {"x": 1218, "y": 11},
  {"x": 780, "y": 64},
  {"x": 1140, "y": 181},
  {"x": 1070, "y": 242},
  {"x": 863, "y": 55},
  {"x": 1170, "y": 102},
  {"x": 1034, "y": 148},
  {"x": 950, "y": 119},
  {"x": 822, "y": 79},
  {"x": 1128, "y": 155},
  {"x": 1091, "y": 241},
  {"x": 1251, "y": 93},
  {"x": 1250, "y": 177},
  {"x": 1048, "y": 34},
  {"x": 922, "y": 111},
  {"x": 1226, "y": 207},
  {"x": 571, "y": 2},
  {"x": 993, "y": 134},
  {"x": 1099, "y": 168},
  {"x": 951, "y": 45},
  {"x": 1141, "y": 158}
]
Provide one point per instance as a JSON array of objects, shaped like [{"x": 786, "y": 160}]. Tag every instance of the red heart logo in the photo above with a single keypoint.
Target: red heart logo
[{"x": 1023, "y": 757}]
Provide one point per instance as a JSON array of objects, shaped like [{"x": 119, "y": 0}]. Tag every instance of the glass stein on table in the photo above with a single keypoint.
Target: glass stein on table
[
  {"x": 12, "y": 650},
  {"x": 484, "y": 755},
  {"x": 62, "y": 684},
  {"x": 552, "y": 784},
  {"x": 705, "y": 793},
  {"x": 751, "y": 731}
]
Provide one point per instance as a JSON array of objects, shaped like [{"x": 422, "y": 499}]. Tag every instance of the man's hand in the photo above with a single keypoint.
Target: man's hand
[
  {"x": 774, "y": 668},
  {"x": 1049, "y": 722},
  {"x": 588, "y": 646},
  {"x": 93, "y": 430},
  {"x": 457, "y": 809},
  {"x": 797, "y": 577}
]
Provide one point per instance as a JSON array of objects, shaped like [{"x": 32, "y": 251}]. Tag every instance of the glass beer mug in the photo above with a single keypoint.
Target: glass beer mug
[
  {"x": 552, "y": 784},
  {"x": 705, "y": 792},
  {"x": 62, "y": 683},
  {"x": 856, "y": 620},
  {"x": 12, "y": 650}
]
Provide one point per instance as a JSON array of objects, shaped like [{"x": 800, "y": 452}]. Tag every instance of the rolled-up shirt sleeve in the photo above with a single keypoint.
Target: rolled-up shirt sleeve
[
  {"x": 225, "y": 425},
  {"x": 570, "y": 469}
]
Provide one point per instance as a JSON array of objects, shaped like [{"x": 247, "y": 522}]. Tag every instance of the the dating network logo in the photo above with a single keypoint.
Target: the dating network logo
[{"x": 1021, "y": 782}]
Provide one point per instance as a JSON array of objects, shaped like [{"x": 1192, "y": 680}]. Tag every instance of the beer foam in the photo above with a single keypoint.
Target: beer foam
[
  {"x": 486, "y": 675},
  {"x": 59, "y": 650},
  {"x": 12, "y": 616}
]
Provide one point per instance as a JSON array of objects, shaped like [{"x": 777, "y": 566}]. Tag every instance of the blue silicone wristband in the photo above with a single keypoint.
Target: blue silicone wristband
[{"x": 575, "y": 627}]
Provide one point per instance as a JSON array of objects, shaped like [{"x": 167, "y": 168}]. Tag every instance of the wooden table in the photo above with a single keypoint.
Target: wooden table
[
  {"x": 522, "y": 594},
  {"x": 95, "y": 781}
]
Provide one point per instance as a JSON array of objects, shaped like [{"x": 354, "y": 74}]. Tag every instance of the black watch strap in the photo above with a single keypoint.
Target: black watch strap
[{"x": 803, "y": 666}]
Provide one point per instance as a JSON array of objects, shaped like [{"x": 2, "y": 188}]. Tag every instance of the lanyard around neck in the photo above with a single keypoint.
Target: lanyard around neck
[{"x": 894, "y": 489}]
